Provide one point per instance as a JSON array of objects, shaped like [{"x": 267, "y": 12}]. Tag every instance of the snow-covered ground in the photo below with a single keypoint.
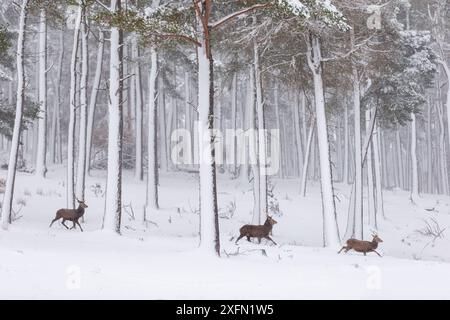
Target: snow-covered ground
[{"x": 160, "y": 260}]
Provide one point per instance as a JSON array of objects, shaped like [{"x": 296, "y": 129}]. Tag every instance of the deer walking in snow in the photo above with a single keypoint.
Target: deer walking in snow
[
  {"x": 71, "y": 215},
  {"x": 251, "y": 231}
]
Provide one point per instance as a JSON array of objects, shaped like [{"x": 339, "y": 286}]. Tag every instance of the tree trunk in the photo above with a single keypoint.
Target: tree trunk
[
  {"x": 262, "y": 154},
  {"x": 338, "y": 149},
  {"x": 345, "y": 177},
  {"x": 306, "y": 160},
  {"x": 163, "y": 140},
  {"x": 442, "y": 154},
  {"x": 93, "y": 98},
  {"x": 245, "y": 112},
  {"x": 282, "y": 156},
  {"x": 253, "y": 150},
  {"x": 209, "y": 217},
  {"x": 138, "y": 173},
  {"x": 113, "y": 207},
  {"x": 41, "y": 168},
  {"x": 447, "y": 103},
  {"x": 330, "y": 227},
  {"x": 429, "y": 148},
  {"x": 400, "y": 171},
  {"x": 356, "y": 221},
  {"x": 383, "y": 156},
  {"x": 152, "y": 170},
  {"x": 378, "y": 179},
  {"x": 298, "y": 133},
  {"x": 234, "y": 122},
  {"x": 82, "y": 142},
  {"x": 370, "y": 178},
  {"x": 414, "y": 171},
  {"x": 72, "y": 116},
  {"x": 55, "y": 142},
  {"x": 188, "y": 116},
  {"x": 12, "y": 164}
]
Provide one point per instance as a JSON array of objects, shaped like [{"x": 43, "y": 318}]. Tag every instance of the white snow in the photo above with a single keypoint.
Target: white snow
[{"x": 161, "y": 260}]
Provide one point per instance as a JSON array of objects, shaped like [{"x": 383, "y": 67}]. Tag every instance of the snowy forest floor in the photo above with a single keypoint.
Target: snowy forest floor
[{"x": 160, "y": 260}]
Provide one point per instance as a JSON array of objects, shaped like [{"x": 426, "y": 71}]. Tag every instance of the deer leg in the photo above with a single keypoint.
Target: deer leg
[
  {"x": 344, "y": 248},
  {"x": 79, "y": 226},
  {"x": 365, "y": 253},
  {"x": 259, "y": 240},
  {"x": 248, "y": 238},
  {"x": 377, "y": 253},
  {"x": 239, "y": 238},
  {"x": 74, "y": 226},
  {"x": 56, "y": 219},
  {"x": 64, "y": 220},
  {"x": 269, "y": 238}
]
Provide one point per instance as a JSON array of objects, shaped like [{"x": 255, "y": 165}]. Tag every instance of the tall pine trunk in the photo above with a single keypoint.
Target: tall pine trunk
[
  {"x": 72, "y": 115},
  {"x": 253, "y": 150},
  {"x": 55, "y": 138},
  {"x": 370, "y": 176},
  {"x": 41, "y": 168},
  {"x": 15, "y": 142},
  {"x": 355, "y": 221},
  {"x": 113, "y": 207},
  {"x": 307, "y": 158},
  {"x": 414, "y": 160},
  {"x": 163, "y": 141},
  {"x": 209, "y": 218},
  {"x": 152, "y": 167},
  {"x": 262, "y": 154},
  {"x": 429, "y": 150},
  {"x": 298, "y": 132},
  {"x": 137, "y": 94},
  {"x": 93, "y": 99},
  {"x": 442, "y": 152},
  {"x": 399, "y": 159},
  {"x": 282, "y": 165},
  {"x": 330, "y": 227},
  {"x": 82, "y": 143},
  {"x": 447, "y": 103},
  {"x": 234, "y": 121},
  {"x": 346, "y": 178},
  {"x": 378, "y": 178}
]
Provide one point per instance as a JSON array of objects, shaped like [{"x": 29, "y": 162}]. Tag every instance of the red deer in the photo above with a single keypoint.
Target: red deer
[
  {"x": 251, "y": 231},
  {"x": 71, "y": 215},
  {"x": 362, "y": 246}
]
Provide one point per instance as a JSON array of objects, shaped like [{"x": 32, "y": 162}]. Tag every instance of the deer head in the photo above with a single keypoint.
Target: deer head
[
  {"x": 376, "y": 238},
  {"x": 271, "y": 220},
  {"x": 82, "y": 204}
]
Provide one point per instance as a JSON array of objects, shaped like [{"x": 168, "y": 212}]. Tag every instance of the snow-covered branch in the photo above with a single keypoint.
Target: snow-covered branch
[{"x": 238, "y": 13}]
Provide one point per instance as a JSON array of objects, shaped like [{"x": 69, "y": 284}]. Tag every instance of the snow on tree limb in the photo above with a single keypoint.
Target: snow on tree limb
[
  {"x": 317, "y": 11},
  {"x": 238, "y": 13}
]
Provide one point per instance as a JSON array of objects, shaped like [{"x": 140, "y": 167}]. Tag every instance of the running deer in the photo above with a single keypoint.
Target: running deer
[
  {"x": 363, "y": 246},
  {"x": 251, "y": 231},
  {"x": 71, "y": 215}
]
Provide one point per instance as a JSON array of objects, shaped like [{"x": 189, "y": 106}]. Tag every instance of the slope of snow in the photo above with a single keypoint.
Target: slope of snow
[{"x": 161, "y": 260}]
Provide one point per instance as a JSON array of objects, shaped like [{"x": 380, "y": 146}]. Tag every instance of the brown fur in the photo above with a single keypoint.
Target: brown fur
[
  {"x": 362, "y": 246},
  {"x": 262, "y": 231},
  {"x": 71, "y": 215}
]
